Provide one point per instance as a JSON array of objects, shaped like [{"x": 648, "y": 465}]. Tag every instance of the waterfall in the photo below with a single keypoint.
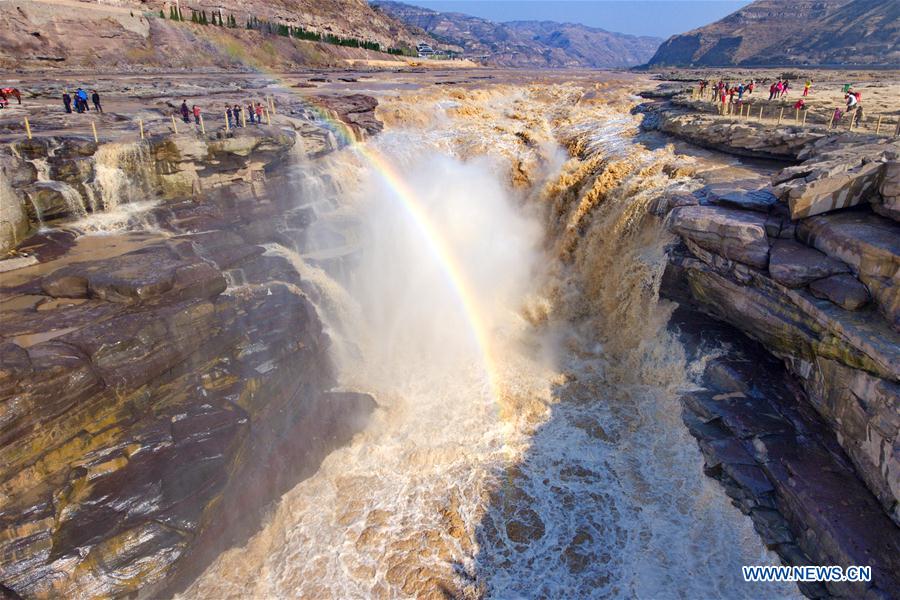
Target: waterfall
[
  {"x": 577, "y": 477},
  {"x": 121, "y": 174}
]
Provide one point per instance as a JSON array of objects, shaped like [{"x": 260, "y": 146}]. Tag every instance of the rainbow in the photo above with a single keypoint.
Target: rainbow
[{"x": 437, "y": 245}]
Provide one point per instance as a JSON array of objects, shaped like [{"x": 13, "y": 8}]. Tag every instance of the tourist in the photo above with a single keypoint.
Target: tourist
[
  {"x": 806, "y": 87},
  {"x": 785, "y": 87},
  {"x": 83, "y": 99},
  {"x": 196, "y": 111},
  {"x": 250, "y": 112},
  {"x": 237, "y": 115},
  {"x": 858, "y": 117},
  {"x": 95, "y": 98},
  {"x": 740, "y": 92},
  {"x": 6, "y": 92},
  {"x": 772, "y": 91},
  {"x": 259, "y": 113},
  {"x": 67, "y": 101},
  {"x": 836, "y": 117},
  {"x": 851, "y": 101},
  {"x": 185, "y": 112},
  {"x": 846, "y": 87},
  {"x": 228, "y": 115},
  {"x": 750, "y": 87}
]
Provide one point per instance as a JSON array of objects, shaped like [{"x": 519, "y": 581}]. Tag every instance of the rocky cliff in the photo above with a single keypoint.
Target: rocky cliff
[
  {"x": 807, "y": 263},
  {"x": 129, "y": 34},
  {"x": 527, "y": 43},
  {"x": 161, "y": 384},
  {"x": 778, "y": 32}
]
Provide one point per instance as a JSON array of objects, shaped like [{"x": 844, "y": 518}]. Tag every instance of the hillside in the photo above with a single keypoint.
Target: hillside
[
  {"x": 783, "y": 32},
  {"x": 130, "y": 34},
  {"x": 526, "y": 43}
]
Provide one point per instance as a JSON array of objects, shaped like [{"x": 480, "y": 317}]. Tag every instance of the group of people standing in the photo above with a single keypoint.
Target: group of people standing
[
  {"x": 724, "y": 91},
  {"x": 254, "y": 114},
  {"x": 80, "y": 100}
]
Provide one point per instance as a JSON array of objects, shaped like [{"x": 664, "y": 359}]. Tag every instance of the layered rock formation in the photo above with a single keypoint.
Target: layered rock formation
[
  {"x": 778, "y": 32},
  {"x": 160, "y": 387},
  {"x": 805, "y": 264},
  {"x": 129, "y": 34}
]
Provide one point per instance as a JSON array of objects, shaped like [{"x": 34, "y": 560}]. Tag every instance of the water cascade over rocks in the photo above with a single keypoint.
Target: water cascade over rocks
[{"x": 500, "y": 301}]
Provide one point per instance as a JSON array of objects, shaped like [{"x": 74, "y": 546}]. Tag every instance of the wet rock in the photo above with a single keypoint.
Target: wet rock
[
  {"x": 14, "y": 221},
  {"x": 49, "y": 200},
  {"x": 357, "y": 110},
  {"x": 870, "y": 244},
  {"x": 844, "y": 290},
  {"x": 888, "y": 204},
  {"x": 789, "y": 474},
  {"x": 846, "y": 361},
  {"x": 140, "y": 276},
  {"x": 796, "y": 265},
  {"x": 737, "y": 194},
  {"x": 734, "y": 234},
  {"x": 73, "y": 172},
  {"x": 664, "y": 204}
]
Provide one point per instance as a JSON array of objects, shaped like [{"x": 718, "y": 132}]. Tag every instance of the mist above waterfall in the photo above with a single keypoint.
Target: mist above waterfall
[{"x": 578, "y": 478}]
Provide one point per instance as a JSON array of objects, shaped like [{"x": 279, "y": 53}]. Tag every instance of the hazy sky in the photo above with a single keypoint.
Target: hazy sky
[{"x": 660, "y": 18}]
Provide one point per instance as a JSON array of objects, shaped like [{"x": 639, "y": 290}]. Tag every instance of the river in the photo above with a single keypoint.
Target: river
[{"x": 486, "y": 269}]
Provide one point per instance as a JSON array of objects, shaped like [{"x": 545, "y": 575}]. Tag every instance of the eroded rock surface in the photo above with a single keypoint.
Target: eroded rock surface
[
  {"x": 825, "y": 302},
  {"x": 734, "y": 234},
  {"x": 150, "y": 409},
  {"x": 781, "y": 464}
]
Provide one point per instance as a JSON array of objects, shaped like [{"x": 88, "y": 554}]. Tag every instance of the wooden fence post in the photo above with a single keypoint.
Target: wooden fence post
[
  {"x": 760, "y": 112},
  {"x": 141, "y": 126},
  {"x": 174, "y": 125},
  {"x": 268, "y": 120},
  {"x": 243, "y": 117},
  {"x": 27, "y": 128},
  {"x": 781, "y": 115},
  {"x": 202, "y": 127},
  {"x": 805, "y": 113},
  {"x": 94, "y": 128},
  {"x": 878, "y": 125},
  {"x": 797, "y": 115},
  {"x": 227, "y": 124},
  {"x": 831, "y": 121}
]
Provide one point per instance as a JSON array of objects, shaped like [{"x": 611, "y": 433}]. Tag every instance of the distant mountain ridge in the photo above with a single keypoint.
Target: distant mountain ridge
[
  {"x": 793, "y": 33},
  {"x": 526, "y": 43}
]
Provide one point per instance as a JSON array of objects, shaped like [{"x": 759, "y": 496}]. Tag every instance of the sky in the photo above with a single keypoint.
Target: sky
[{"x": 660, "y": 18}]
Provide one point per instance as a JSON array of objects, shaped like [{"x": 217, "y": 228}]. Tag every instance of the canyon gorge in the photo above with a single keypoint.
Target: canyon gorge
[{"x": 479, "y": 334}]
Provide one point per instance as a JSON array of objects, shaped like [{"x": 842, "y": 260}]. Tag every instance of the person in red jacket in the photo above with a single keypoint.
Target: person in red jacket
[
  {"x": 196, "y": 112},
  {"x": 259, "y": 112}
]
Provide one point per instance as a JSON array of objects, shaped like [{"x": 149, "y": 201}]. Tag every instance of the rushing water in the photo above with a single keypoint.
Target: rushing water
[{"x": 551, "y": 464}]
